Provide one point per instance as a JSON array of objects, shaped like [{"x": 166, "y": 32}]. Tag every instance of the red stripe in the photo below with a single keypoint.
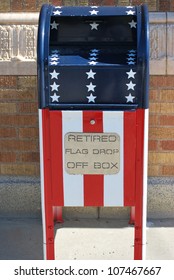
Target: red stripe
[
  {"x": 93, "y": 184},
  {"x": 56, "y": 157},
  {"x": 49, "y": 226},
  {"x": 129, "y": 157}
]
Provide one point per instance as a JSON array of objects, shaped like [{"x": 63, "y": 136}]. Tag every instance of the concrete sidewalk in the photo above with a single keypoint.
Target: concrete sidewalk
[{"x": 21, "y": 239}]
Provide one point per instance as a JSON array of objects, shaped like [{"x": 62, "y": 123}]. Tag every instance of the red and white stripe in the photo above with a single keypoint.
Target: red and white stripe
[{"x": 91, "y": 190}]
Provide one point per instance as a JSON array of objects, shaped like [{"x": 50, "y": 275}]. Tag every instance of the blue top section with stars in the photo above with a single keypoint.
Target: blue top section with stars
[
  {"x": 93, "y": 57},
  {"x": 93, "y": 11}
]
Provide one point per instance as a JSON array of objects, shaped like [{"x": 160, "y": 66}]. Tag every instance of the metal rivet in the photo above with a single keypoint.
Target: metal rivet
[{"x": 92, "y": 122}]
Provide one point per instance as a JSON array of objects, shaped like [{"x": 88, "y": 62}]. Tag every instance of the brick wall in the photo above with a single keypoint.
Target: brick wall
[
  {"x": 161, "y": 130},
  {"x": 34, "y": 5},
  {"x": 19, "y": 147},
  {"x": 19, "y": 144}
]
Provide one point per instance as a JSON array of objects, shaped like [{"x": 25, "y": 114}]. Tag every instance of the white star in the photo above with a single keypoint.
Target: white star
[
  {"x": 91, "y": 98},
  {"x": 130, "y": 98},
  {"x": 55, "y": 58},
  {"x": 54, "y": 75},
  {"x": 90, "y": 74},
  {"x": 54, "y": 55},
  {"x": 131, "y": 74},
  {"x": 54, "y": 63},
  {"x": 94, "y": 25},
  {"x": 57, "y": 13},
  {"x": 54, "y": 25},
  {"x": 54, "y": 87},
  {"x": 94, "y": 51},
  {"x": 133, "y": 24},
  {"x": 130, "y": 62},
  {"x": 131, "y": 54},
  {"x": 93, "y": 54},
  {"x": 55, "y": 97},
  {"x": 93, "y": 58},
  {"x": 92, "y": 62},
  {"x": 91, "y": 87},
  {"x": 130, "y": 12},
  {"x": 130, "y": 58},
  {"x": 93, "y": 12},
  {"x": 132, "y": 51},
  {"x": 130, "y": 86}
]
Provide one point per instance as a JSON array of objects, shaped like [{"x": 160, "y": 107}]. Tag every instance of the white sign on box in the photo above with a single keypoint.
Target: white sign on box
[{"x": 92, "y": 153}]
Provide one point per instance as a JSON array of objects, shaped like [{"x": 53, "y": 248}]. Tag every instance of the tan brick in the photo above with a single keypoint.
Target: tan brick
[
  {"x": 26, "y": 82},
  {"x": 28, "y": 108},
  {"x": 153, "y": 170},
  {"x": 155, "y": 108},
  {"x": 168, "y": 170},
  {"x": 19, "y": 120},
  {"x": 153, "y": 145},
  {"x": 29, "y": 132},
  {"x": 17, "y": 95},
  {"x": 8, "y": 108},
  {"x": 164, "y": 108},
  {"x": 5, "y": 6},
  {"x": 123, "y": 2},
  {"x": 16, "y": 5},
  {"x": 167, "y": 145},
  {"x": 56, "y": 2},
  {"x": 153, "y": 119},
  {"x": 108, "y": 3},
  {"x": 7, "y": 157},
  {"x": 18, "y": 169},
  {"x": 18, "y": 145},
  {"x": 167, "y": 95},
  {"x": 8, "y": 81},
  {"x": 155, "y": 80},
  {"x": 172, "y": 5},
  {"x": 164, "y": 5},
  {"x": 161, "y": 82},
  {"x": 154, "y": 95},
  {"x": 69, "y": 3},
  {"x": 29, "y": 157},
  {"x": 29, "y": 5},
  {"x": 161, "y": 158},
  {"x": 167, "y": 108},
  {"x": 7, "y": 132},
  {"x": 166, "y": 120},
  {"x": 169, "y": 81},
  {"x": 161, "y": 132},
  {"x": 82, "y": 3}
]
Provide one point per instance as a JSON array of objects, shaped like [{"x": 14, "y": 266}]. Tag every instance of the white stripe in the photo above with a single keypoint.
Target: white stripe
[
  {"x": 145, "y": 167},
  {"x": 72, "y": 121},
  {"x": 113, "y": 184},
  {"x": 42, "y": 182}
]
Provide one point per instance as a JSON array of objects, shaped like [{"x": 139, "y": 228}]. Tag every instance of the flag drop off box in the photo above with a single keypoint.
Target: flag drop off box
[{"x": 93, "y": 111}]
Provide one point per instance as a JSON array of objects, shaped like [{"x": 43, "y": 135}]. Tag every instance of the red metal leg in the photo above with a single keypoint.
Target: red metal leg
[
  {"x": 132, "y": 215},
  {"x": 57, "y": 213}
]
